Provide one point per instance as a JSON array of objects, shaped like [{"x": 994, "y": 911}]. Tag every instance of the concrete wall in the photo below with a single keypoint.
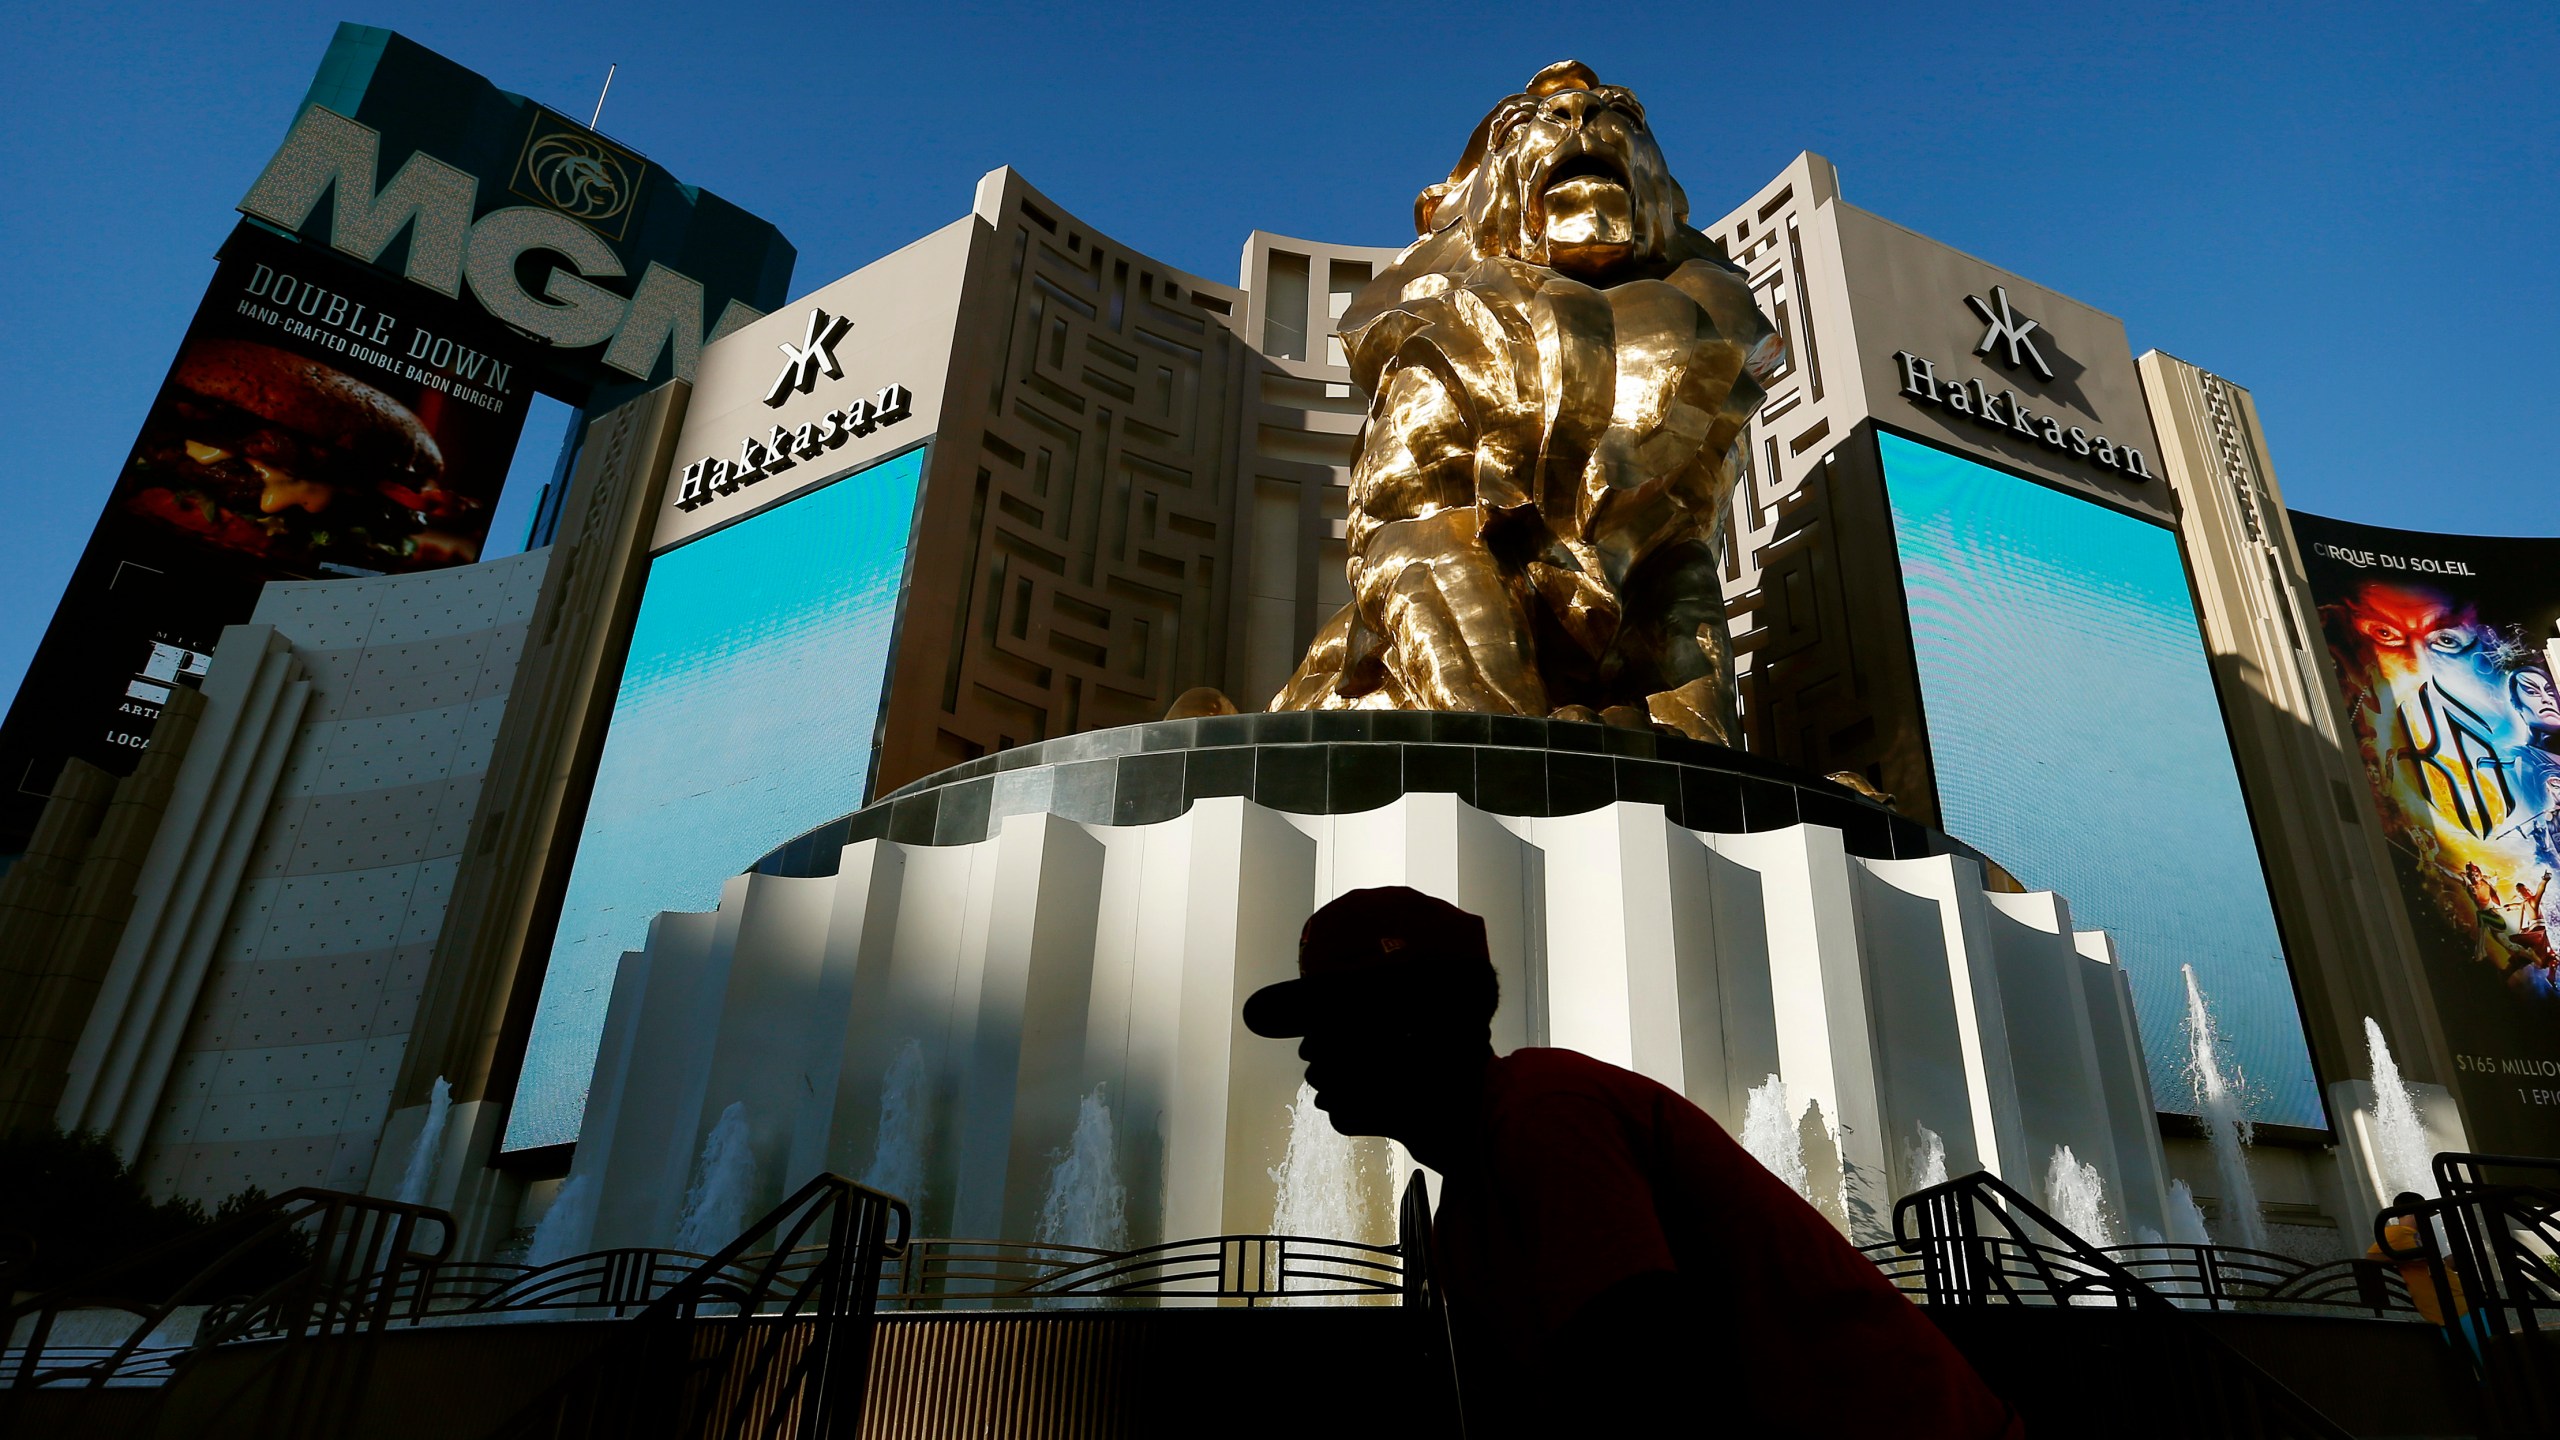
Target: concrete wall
[
  {"x": 2327, "y": 863},
  {"x": 255, "y": 1015},
  {"x": 63, "y": 907},
  {"x": 1058, "y": 961}
]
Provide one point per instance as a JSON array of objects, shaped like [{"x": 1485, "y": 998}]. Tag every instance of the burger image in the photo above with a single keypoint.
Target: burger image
[{"x": 269, "y": 453}]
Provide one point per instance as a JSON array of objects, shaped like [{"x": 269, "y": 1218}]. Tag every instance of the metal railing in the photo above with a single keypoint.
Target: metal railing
[
  {"x": 793, "y": 1300},
  {"x": 836, "y": 1253},
  {"x": 2489, "y": 1246},
  {"x": 349, "y": 1256},
  {"x": 1254, "y": 1269},
  {"x": 1977, "y": 1242},
  {"x": 2195, "y": 1277},
  {"x": 356, "y": 1254}
]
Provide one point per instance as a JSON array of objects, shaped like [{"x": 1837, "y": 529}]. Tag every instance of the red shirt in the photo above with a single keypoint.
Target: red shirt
[{"x": 1587, "y": 1176}]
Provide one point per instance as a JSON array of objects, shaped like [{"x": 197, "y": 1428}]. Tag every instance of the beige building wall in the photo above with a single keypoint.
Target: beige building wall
[
  {"x": 1136, "y": 484},
  {"x": 356, "y": 856},
  {"x": 2336, "y": 897},
  {"x": 517, "y": 859},
  {"x": 1306, "y": 417},
  {"x": 63, "y": 906},
  {"x": 1076, "y": 530},
  {"x": 286, "y": 996},
  {"x": 1825, "y": 670},
  {"x": 1822, "y": 671}
]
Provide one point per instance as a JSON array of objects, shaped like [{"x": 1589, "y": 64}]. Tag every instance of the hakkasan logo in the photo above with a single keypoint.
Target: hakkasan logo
[
  {"x": 2004, "y": 410},
  {"x": 760, "y": 456},
  {"x": 579, "y": 173},
  {"x": 2013, "y": 335}
]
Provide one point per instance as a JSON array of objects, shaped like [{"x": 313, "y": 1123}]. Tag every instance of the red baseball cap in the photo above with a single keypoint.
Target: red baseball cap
[{"x": 1391, "y": 947}]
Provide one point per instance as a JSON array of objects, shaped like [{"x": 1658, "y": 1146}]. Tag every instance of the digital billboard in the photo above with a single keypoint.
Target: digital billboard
[
  {"x": 747, "y": 715},
  {"x": 319, "y": 420},
  {"x": 2444, "y": 683},
  {"x": 616, "y": 271},
  {"x": 2076, "y": 738},
  {"x": 462, "y": 247}
]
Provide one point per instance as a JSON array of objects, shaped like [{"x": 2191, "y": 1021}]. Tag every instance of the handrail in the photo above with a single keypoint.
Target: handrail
[
  {"x": 1252, "y": 1268},
  {"x": 1963, "y": 1266},
  {"x": 815, "y": 1259},
  {"x": 2488, "y": 1247},
  {"x": 2211, "y": 1277},
  {"x": 360, "y": 1247}
]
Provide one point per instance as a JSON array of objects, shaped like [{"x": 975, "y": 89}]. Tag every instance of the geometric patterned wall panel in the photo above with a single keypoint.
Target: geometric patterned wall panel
[
  {"x": 1812, "y": 597},
  {"x": 1102, "y": 510}
]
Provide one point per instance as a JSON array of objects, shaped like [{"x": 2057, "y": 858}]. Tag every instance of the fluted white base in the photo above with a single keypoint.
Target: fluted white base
[{"x": 1058, "y": 957}]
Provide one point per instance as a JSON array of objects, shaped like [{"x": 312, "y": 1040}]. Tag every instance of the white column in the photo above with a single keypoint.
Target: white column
[
  {"x": 2050, "y": 1040},
  {"x": 1939, "y": 1015},
  {"x": 1251, "y": 885},
  {"x": 255, "y": 696},
  {"x": 1613, "y": 989},
  {"x": 768, "y": 1021},
  {"x": 652, "y": 1152},
  {"x": 1826, "y": 1046},
  {"x": 2124, "y": 1078},
  {"x": 1039, "y": 940},
  {"x": 1728, "y": 1011},
  {"x": 840, "y": 1110}
]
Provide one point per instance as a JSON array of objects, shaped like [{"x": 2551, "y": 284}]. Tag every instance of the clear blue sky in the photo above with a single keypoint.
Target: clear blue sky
[{"x": 2350, "y": 209}]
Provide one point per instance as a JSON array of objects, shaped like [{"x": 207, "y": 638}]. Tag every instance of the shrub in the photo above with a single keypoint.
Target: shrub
[{"x": 72, "y": 1207}]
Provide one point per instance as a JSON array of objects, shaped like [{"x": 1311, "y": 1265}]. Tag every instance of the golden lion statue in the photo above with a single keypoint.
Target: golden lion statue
[{"x": 1561, "y": 367}]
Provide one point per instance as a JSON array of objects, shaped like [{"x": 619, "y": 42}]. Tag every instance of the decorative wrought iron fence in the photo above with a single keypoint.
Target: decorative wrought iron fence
[
  {"x": 349, "y": 1256},
  {"x": 2195, "y": 1277},
  {"x": 2490, "y": 1246},
  {"x": 356, "y": 1254},
  {"x": 1254, "y": 1269},
  {"x": 799, "y": 1291},
  {"x": 1976, "y": 1243}
]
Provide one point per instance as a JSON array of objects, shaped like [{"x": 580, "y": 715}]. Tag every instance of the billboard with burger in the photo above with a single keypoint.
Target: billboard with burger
[
  {"x": 320, "y": 420},
  {"x": 323, "y": 422}
]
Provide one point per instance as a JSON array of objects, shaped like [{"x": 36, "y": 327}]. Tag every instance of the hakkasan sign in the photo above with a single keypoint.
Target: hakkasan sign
[{"x": 2447, "y": 689}]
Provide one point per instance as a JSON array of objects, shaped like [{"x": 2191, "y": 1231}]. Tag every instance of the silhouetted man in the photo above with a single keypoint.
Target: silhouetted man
[{"x": 1614, "y": 1262}]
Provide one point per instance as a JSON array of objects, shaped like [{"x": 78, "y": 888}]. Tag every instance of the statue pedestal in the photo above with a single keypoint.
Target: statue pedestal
[
  {"x": 980, "y": 977},
  {"x": 1343, "y": 762}
]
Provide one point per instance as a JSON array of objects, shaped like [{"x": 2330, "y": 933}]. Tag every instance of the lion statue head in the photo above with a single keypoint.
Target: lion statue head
[{"x": 1565, "y": 174}]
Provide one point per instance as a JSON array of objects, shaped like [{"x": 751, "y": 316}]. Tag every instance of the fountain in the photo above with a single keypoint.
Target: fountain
[
  {"x": 2225, "y": 1121},
  {"x": 1836, "y": 1188},
  {"x": 565, "y": 1227},
  {"x": 1400, "y": 1168},
  {"x": 1318, "y": 1177},
  {"x": 2077, "y": 1195},
  {"x": 1087, "y": 1205},
  {"x": 897, "y": 1153},
  {"x": 1318, "y": 1184},
  {"x": 1925, "y": 1161},
  {"x": 419, "y": 1179},
  {"x": 2399, "y": 1136},
  {"x": 1769, "y": 1132},
  {"x": 2186, "y": 1217},
  {"x": 715, "y": 1209}
]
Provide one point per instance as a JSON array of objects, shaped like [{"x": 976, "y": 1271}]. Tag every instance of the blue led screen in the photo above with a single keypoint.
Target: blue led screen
[
  {"x": 2077, "y": 740},
  {"x": 745, "y": 717}
]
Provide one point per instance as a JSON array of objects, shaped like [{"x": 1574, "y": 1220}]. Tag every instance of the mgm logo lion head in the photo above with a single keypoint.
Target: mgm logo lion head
[{"x": 1566, "y": 175}]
